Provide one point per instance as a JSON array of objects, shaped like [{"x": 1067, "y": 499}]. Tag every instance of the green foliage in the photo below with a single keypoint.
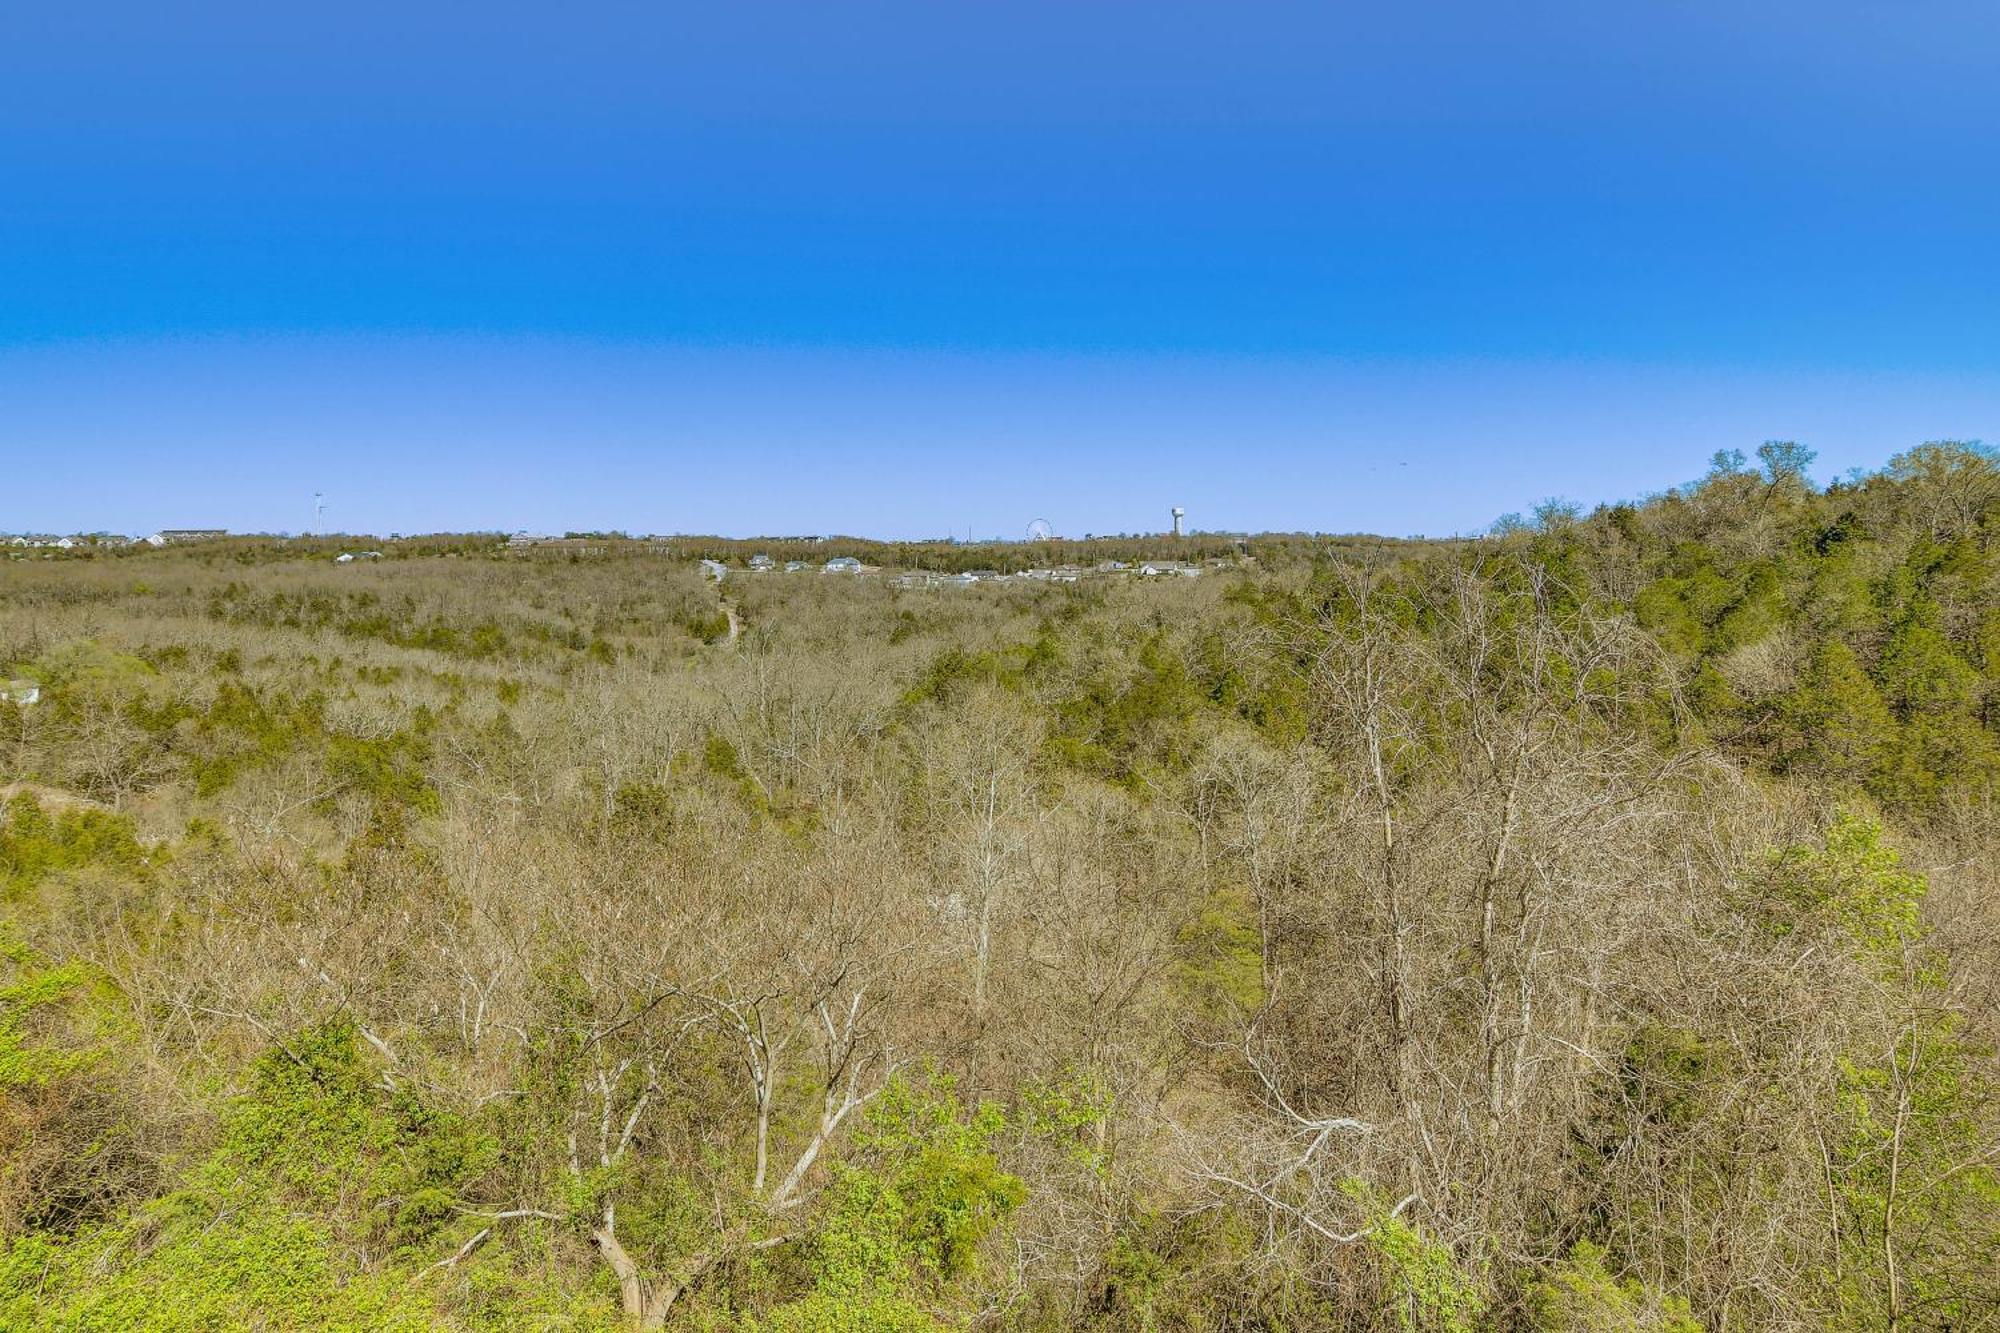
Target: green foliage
[
  {"x": 1917, "y": 1187},
  {"x": 1425, "y": 1287},
  {"x": 1581, "y": 1295},
  {"x": 644, "y": 809},
  {"x": 708, "y": 626},
  {"x": 954, "y": 672},
  {"x": 1667, "y": 1071},
  {"x": 1855, "y": 885},
  {"x": 46, "y": 1033},
  {"x": 1864, "y": 591},
  {"x": 720, "y": 756},
  {"x": 35, "y": 845},
  {"x": 1123, "y": 720},
  {"x": 904, "y": 1215},
  {"x": 184, "y": 1268},
  {"x": 245, "y": 728},
  {"x": 1273, "y": 700},
  {"x": 1071, "y": 1111},
  {"x": 89, "y": 669},
  {"x": 1201, "y": 1272},
  {"x": 923, "y": 1190},
  {"x": 314, "y": 1158},
  {"x": 1222, "y": 964},
  {"x": 870, "y": 1311},
  {"x": 1916, "y": 1182},
  {"x": 1785, "y": 462},
  {"x": 1845, "y": 643},
  {"x": 1842, "y": 727},
  {"x": 71, "y": 1145}
]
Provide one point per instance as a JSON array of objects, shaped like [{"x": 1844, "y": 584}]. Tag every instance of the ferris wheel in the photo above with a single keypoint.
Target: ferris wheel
[{"x": 1040, "y": 531}]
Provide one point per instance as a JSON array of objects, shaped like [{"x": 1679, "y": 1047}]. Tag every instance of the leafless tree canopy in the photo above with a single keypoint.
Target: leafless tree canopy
[{"x": 1589, "y": 928}]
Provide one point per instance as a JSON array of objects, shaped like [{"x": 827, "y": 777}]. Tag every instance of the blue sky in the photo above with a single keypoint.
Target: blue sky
[{"x": 912, "y": 268}]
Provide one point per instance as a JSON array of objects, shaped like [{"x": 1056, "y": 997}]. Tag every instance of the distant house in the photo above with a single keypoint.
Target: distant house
[
  {"x": 842, "y": 564},
  {"x": 525, "y": 539},
  {"x": 182, "y": 536},
  {"x": 761, "y": 563},
  {"x": 22, "y": 692},
  {"x": 794, "y": 566},
  {"x": 1164, "y": 568},
  {"x": 344, "y": 558}
]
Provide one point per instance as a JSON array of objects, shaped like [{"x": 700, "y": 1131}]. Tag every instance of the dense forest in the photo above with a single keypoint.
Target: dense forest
[{"x": 1592, "y": 926}]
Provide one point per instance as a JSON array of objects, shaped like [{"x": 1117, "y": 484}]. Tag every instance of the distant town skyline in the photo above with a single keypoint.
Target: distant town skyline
[{"x": 503, "y": 437}]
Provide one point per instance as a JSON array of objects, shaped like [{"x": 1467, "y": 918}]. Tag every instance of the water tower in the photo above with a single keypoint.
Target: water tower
[{"x": 1179, "y": 514}]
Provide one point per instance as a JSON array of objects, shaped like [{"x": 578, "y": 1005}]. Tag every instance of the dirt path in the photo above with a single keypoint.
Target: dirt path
[{"x": 735, "y": 621}]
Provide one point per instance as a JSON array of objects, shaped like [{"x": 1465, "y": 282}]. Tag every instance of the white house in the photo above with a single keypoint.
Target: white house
[
  {"x": 22, "y": 692},
  {"x": 842, "y": 564}
]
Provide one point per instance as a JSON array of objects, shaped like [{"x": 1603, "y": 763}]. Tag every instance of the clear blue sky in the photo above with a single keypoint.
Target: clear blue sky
[{"x": 904, "y": 268}]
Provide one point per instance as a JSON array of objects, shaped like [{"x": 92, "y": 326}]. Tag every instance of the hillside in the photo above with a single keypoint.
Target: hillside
[{"x": 1591, "y": 926}]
